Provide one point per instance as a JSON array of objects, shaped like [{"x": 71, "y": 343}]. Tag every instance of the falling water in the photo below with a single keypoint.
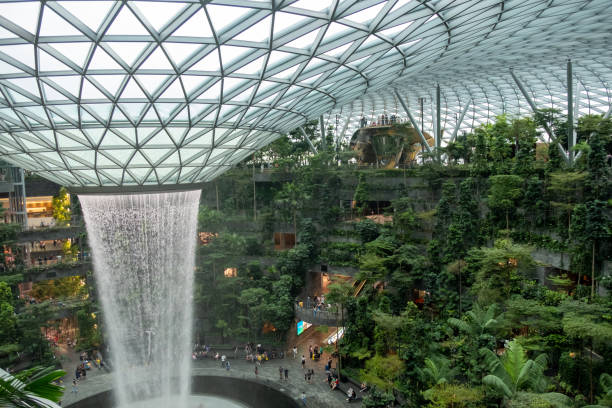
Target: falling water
[{"x": 143, "y": 249}]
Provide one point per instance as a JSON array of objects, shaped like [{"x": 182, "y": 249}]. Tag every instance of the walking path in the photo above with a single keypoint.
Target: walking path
[{"x": 318, "y": 393}]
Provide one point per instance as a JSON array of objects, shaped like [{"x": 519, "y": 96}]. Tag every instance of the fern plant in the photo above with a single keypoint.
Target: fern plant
[{"x": 512, "y": 372}]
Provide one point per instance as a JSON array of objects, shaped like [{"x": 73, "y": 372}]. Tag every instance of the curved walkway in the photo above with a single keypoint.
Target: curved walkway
[{"x": 318, "y": 394}]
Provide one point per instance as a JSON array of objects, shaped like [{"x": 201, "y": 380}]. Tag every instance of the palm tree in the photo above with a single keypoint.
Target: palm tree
[
  {"x": 31, "y": 388},
  {"x": 513, "y": 372}
]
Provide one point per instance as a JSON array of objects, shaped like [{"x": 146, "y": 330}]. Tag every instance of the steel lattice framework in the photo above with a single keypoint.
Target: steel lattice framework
[{"x": 136, "y": 93}]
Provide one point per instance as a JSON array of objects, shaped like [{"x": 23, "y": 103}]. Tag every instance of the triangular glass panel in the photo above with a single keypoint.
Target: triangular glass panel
[
  {"x": 95, "y": 134},
  {"x": 112, "y": 140},
  {"x": 76, "y": 52},
  {"x": 156, "y": 60},
  {"x": 23, "y": 53},
  {"x": 366, "y": 15},
  {"x": 312, "y": 5},
  {"x": 70, "y": 83},
  {"x": 109, "y": 82},
  {"x": 243, "y": 96},
  {"x": 254, "y": 67},
  {"x": 132, "y": 91},
  {"x": 284, "y": 21},
  {"x": 258, "y": 32},
  {"x": 164, "y": 110},
  {"x": 140, "y": 173},
  {"x": 192, "y": 82},
  {"x": 54, "y": 25},
  {"x": 396, "y": 31},
  {"x": 172, "y": 160},
  {"x": 173, "y": 91},
  {"x": 154, "y": 155},
  {"x": 48, "y": 63},
  {"x": 163, "y": 172},
  {"x": 103, "y": 161},
  {"x": 230, "y": 54},
  {"x": 304, "y": 42},
  {"x": 8, "y": 68},
  {"x": 70, "y": 111},
  {"x": 179, "y": 52},
  {"x": 89, "y": 91},
  {"x": 151, "y": 83},
  {"x": 24, "y": 14},
  {"x": 138, "y": 159},
  {"x": 287, "y": 73},
  {"x": 224, "y": 16},
  {"x": 160, "y": 138},
  {"x": 126, "y": 23},
  {"x": 133, "y": 110},
  {"x": 102, "y": 61},
  {"x": 196, "y": 26},
  {"x": 159, "y": 14},
  {"x": 101, "y": 110},
  {"x": 64, "y": 141},
  {"x": 128, "y": 51},
  {"x": 27, "y": 84},
  {"x": 17, "y": 98},
  {"x": 92, "y": 14},
  {"x": 209, "y": 63},
  {"x": 212, "y": 93}
]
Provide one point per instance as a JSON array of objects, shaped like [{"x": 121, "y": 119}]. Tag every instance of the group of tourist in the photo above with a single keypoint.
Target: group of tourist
[{"x": 383, "y": 120}]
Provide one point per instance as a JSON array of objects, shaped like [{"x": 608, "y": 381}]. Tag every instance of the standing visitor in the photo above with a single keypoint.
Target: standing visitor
[
  {"x": 256, "y": 372},
  {"x": 227, "y": 365},
  {"x": 75, "y": 389},
  {"x": 223, "y": 358},
  {"x": 286, "y": 374},
  {"x": 303, "y": 362},
  {"x": 280, "y": 373},
  {"x": 303, "y": 398},
  {"x": 294, "y": 352}
]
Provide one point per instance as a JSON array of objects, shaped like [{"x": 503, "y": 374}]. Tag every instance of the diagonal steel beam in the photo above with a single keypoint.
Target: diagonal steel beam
[
  {"x": 460, "y": 121},
  {"x": 438, "y": 121},
  {"x": 322, "y": 126},
  {"x": 312, "y": 147},
  {"x": 534, "y": 108},
  {"x": 414, "y": 123},
  {"x": 344, "y": 129},
  {"x": 570, "y": 112}
]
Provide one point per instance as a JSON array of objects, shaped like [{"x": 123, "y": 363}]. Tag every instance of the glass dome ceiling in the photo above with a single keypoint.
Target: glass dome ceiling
[{"x": 131, "y": 93}]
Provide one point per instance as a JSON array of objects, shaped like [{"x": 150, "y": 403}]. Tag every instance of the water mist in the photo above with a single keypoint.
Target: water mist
[{"x": 143, "y": 248}]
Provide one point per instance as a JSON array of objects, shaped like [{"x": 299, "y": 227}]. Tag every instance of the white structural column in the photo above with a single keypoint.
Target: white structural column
[
  {"x": 412, "y": 121},
  {"x": 553, "y": 139}
]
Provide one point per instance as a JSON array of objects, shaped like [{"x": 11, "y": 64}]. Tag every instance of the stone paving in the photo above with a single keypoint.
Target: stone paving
[{"x": 318, "y": 394}]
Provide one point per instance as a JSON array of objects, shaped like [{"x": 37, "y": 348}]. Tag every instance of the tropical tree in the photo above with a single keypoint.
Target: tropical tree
[
  {"x": 513, "y": 372},
  {"x": 61, "y": 207},
  {"x": 504, "y": 192},
  {"x": 31, "y": 388}
]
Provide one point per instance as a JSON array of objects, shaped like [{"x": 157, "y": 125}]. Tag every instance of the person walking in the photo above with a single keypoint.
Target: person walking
[
  {"x": 256, "y": 372},
  {"x": 75, "y": 389},
  {"x": 227, "y": 365},
  {"x": 286, "y": 374},
  {"x": 303, "y": 362},
  {"x": 303, "y": 398},
  {"x": 280, "y": 373},
  {"x": 294, "y": 352}
]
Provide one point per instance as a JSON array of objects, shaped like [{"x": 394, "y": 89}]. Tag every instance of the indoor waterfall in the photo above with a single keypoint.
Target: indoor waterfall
[{"x": 143, "y": 248}]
